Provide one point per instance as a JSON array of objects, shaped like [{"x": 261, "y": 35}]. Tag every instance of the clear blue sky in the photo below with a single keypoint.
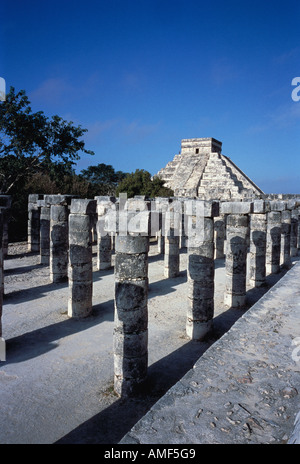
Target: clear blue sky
[{"x": 141, "y": 75}]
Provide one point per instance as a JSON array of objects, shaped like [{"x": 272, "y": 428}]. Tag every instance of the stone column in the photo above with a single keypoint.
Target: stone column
[
  {"x": 171, "y": 232},
  {"x": 161, "y": 206},
  {"x": 274, "y": 236},
  {"x": 258, "y": 244},
  {"x": 285, "y": 258},
  {"x": 294, "y": 232},
  {"x": 104, "y": 239},
  {"x": 80, "y": 258},
  {"x": 183, "y": 235},
  {"x": 219, "y": 237},
  {"x": 237, "y": 225},
  {"x": 131, "y": 303},
  {"x": 1, "y": 272},
  {"x": 298, "y": 230},
  {"x": 200, "y": 270},
  {"x": 33, "y": 224},
  {"x": 59, "y": 243},
  {"x": 5, "y": 204},
  {"x": 45, "y": 235}
]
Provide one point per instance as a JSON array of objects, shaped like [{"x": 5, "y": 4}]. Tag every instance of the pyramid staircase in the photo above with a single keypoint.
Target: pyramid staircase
[
  {"x": 206, "y": 174},
  {"x": 218, "y": 180}
]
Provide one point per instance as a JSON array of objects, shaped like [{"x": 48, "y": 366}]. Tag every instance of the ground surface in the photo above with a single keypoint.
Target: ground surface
[{"x": 57, "y": 382}]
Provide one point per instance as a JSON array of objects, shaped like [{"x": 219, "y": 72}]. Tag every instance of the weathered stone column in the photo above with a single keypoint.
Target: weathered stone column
[
  {"x": 237, "y": 225},
  {"x": 258, "y": 243},
  {"x": 285, "y": 258},
  {"x": 161, "y": 206},
  {"x": 59, "y": 243},
  {"x": 104, "y": 239},
  {"x": 131, "y": 303},
  {"x": 200, "y": 270},
  {"x": 33, "y": 223},
  {"x": 219, "y": 237},
  {"x": 171, "y": 232},
  {"x": 274, "y": 236},
  {"x": 294, "y": 230},
  {"x": 298, "y": 230},
  {"x": 1, "y": 272},
  {"x": 45, "y": 235},
  {"x": 80, "y": 258},
  {"x": 5, "y": 204}
]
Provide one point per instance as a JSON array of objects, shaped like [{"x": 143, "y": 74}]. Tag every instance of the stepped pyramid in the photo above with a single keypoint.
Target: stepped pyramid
[{"x": 200, "y": 170}]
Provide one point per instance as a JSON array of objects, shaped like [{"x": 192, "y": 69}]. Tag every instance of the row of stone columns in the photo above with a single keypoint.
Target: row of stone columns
[
  {"x": 270, "y": 228},
  {"x": 71, "y": 241},
  {"x": 281, "y": 232},
  {"x": 271, "y": 236}
]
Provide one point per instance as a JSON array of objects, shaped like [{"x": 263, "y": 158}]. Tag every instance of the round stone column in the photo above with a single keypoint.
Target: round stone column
[
  {"x": 171, "y": 232},
  {"x": 258, "y": 240},
  {"x": 200, "y": 274},
  {"x": 104, "y": 239},
  {"x": 45, "y": 235},
  {"x": 58, "y": 243},
  {"x": 131, "y": 313},
  {"x": 285, "y": 258},
  {"x": 33, "y": 228},
  {"x": 273, "y": 242},
  {"x": 236, "y": 260},
  {"x": 219, "y": 237},
  {"x": 80, "y": 258}
]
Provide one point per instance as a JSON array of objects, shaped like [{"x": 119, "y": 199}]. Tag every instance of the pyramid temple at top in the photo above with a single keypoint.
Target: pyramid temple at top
[{"x": 200, "y": 170}]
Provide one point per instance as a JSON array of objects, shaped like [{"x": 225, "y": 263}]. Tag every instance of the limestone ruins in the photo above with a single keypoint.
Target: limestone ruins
[{"x": 216, "y": 212}]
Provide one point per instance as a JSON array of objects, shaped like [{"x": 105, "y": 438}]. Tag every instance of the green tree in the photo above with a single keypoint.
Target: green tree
[
  {"x": 31, "y": 141},
  {"x": 103, "y": 178},
  {"x": 141, "y": 183}
]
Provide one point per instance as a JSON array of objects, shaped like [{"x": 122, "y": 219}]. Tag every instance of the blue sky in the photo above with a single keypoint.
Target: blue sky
[{"x": 142, "y": 75}]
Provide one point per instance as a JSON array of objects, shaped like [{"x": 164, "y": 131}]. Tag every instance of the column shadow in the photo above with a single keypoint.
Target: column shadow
[
  {"x": 41, "y": 341},
  {"x": 111, "y": 424}
]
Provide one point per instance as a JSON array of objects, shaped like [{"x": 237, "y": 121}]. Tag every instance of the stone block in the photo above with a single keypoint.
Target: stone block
[
  {"x": 201, "y": 208},
  {"x": 197, "y": 330},
  {"x": 129, "y": 372},
  {"x": 83, "y": 206},
  {"x": 131, "y": 321},
  {"x": 200, "y": 309},
  {"x": 277, "y": 205},
  {"x": 131, "y": 244},
  {"x": 57, "y": 200},
  {"x": 80, "y": 272},
  {"x": 130, "y": 295},
  {"x": 130, "y": 345},
  {"x": 34, "y": 197},
  {"x": 129, "y": 267},
  {"x": 80, "y": 254},
  {"x": 59, "y": 213},
  {"x": 236, "y": 207},
  {"x": 286, "y": 216},
  {"x": 261, "y": 206}
]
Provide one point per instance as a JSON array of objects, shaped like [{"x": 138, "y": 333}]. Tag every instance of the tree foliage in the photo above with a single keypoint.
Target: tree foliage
[
  {"x": 31, "y": 141},
  {"x": 103, "y": 178},
  {"x": 141, "y": 183}
]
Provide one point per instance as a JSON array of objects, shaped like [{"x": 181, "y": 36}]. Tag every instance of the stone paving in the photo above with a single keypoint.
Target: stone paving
[
  {"x": 245, "y": 388},
  {"x": 57, "y": 382}
]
